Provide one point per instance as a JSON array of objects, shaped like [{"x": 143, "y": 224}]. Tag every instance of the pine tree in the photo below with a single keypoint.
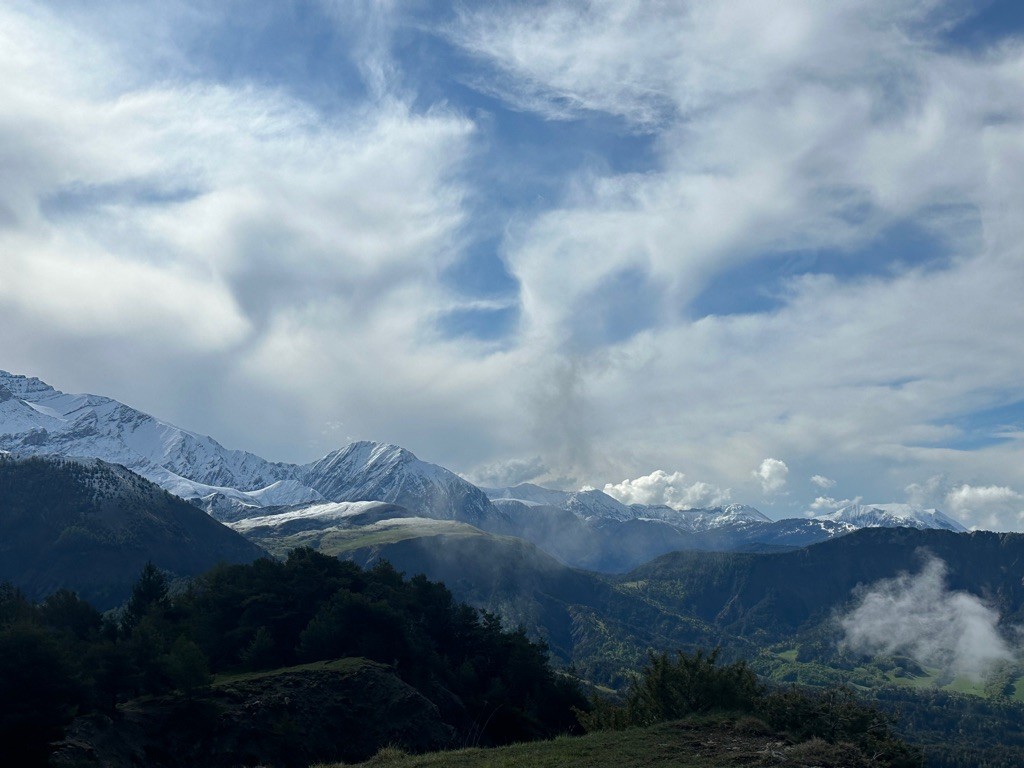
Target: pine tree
[{"x": 149, "y": 593}]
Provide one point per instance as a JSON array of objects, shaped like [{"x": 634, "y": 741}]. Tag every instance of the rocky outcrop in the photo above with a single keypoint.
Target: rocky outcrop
[{"x": 342, "y": 710}]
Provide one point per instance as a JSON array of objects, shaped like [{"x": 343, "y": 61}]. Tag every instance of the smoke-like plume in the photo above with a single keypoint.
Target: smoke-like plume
[{"x": 917, "y": 616}]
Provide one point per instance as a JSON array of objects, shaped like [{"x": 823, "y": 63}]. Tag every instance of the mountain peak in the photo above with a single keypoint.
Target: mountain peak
[
  {"x": 24, "y": 386},
  {"x": 371, "y": 471}
]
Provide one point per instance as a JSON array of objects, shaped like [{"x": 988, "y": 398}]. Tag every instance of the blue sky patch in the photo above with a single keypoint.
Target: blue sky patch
[
  {"x": 761, "y": 285},
  {"x": 987, "y": 23},
  {"x": 482, "y": 324},
  {"x": 986, "y": 427}
]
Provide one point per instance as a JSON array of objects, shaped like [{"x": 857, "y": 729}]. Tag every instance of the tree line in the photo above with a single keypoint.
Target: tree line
[{"x": 61, "y": 658}]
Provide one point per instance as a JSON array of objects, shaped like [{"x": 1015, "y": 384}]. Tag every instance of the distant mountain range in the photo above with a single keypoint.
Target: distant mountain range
[
  {"x": 585, "y": 528},
  {"x": 893, "y": 516}
]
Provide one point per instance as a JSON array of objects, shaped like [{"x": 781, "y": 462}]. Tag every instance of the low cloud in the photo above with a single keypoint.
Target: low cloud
[
  {"x": 917, "y": 616},
  {"x": 930, "y": 493},
  {"x": 828, "y": 504},
  {"x": 509, "y": 473},
  {"x": 822, "y": 482},
  {"x": 772, "y": 474},
  {"x": 661, "y": 487}
]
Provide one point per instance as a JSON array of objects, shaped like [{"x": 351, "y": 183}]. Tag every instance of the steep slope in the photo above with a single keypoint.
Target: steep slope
[
  {"x": 366, "y": 471},
  {"x": 38, "y": 420},
  {"x": 91, "y": 527}
]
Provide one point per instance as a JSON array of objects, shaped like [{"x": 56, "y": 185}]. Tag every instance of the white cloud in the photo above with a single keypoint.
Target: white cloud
[
  {"x": 813, "y": 129},
  {"x": 824, "y": 504},
  {"x": 671, "y": 489},
  {"x": 822, "y": 482},
  {"x": 930, "y": 493},
  {"x": 918, "y": 616},
  {"x": 509, "y": 473},
  {"x": 171, "y": 236},
  {"x": 772, "y": 474},
  {"x": 991, "y": 507},
  {"x": 170, "y": 224}
]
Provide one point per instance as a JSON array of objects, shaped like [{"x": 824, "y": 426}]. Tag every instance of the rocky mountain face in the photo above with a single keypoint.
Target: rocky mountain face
[
  {"x": 89, "y": 526},
  {"x": 374, "y": 471}
]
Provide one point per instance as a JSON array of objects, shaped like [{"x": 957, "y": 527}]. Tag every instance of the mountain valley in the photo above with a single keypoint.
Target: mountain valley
[{"x": 92, "y": 490}]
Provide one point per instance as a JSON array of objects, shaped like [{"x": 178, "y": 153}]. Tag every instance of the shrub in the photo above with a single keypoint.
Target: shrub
[{"x": 668, "y": 690}]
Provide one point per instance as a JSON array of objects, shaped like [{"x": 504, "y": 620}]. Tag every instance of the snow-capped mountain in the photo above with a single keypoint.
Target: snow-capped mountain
[
  {"x": 381, "y": 472},
  {"x": 39, "y": 420},
  {"x": 893, "y": 516},
  {"x": 585, "y": 527}
]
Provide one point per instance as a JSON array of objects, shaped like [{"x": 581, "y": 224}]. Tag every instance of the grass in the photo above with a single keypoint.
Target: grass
[
  {"x": 966, "y": 685},
  {"x": 1018, "y": 690},
  {"x": 341, "y": 541},
  {"x": 699, "y": 743},
  {"x": 347, "y": 665}
]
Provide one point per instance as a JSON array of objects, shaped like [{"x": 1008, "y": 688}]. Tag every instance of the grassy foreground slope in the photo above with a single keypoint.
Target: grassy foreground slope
[{"x": 706, "y": 742}]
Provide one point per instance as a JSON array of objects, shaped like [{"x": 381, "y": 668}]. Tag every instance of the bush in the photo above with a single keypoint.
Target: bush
[
  {"x": 830, "y": 727},
  {"x": 669, "y": 690}
]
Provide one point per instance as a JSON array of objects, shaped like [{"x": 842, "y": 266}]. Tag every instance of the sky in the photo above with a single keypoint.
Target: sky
[{"x": 688, "y": 252}]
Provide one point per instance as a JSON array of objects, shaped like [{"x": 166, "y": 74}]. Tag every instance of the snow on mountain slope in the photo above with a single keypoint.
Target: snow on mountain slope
[
  {"x": 529, "y": 494},
  {"x": 318, "y": 516},
  {"x": 893, "y": 516},
  {"x": 382, "y": 472},
  {"x": 588, "y": 504},
  {"x": 285, "y": 493},
  {"x": 596, "y": 506},
  {"x": 701, "y": 519},
  {"x": 38, "y": 420}
]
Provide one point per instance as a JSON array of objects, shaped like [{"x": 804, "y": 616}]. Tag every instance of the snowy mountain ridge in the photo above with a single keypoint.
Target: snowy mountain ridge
[
  {"x": 596, "y": 506},
  {"x": 701, "y": 518},
  {"x": 892, "y": 516},
  {"x": 39, "y": 420}
]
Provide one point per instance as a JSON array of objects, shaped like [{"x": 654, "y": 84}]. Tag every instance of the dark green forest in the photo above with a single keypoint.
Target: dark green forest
[{"x": 61, "y": 658}]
